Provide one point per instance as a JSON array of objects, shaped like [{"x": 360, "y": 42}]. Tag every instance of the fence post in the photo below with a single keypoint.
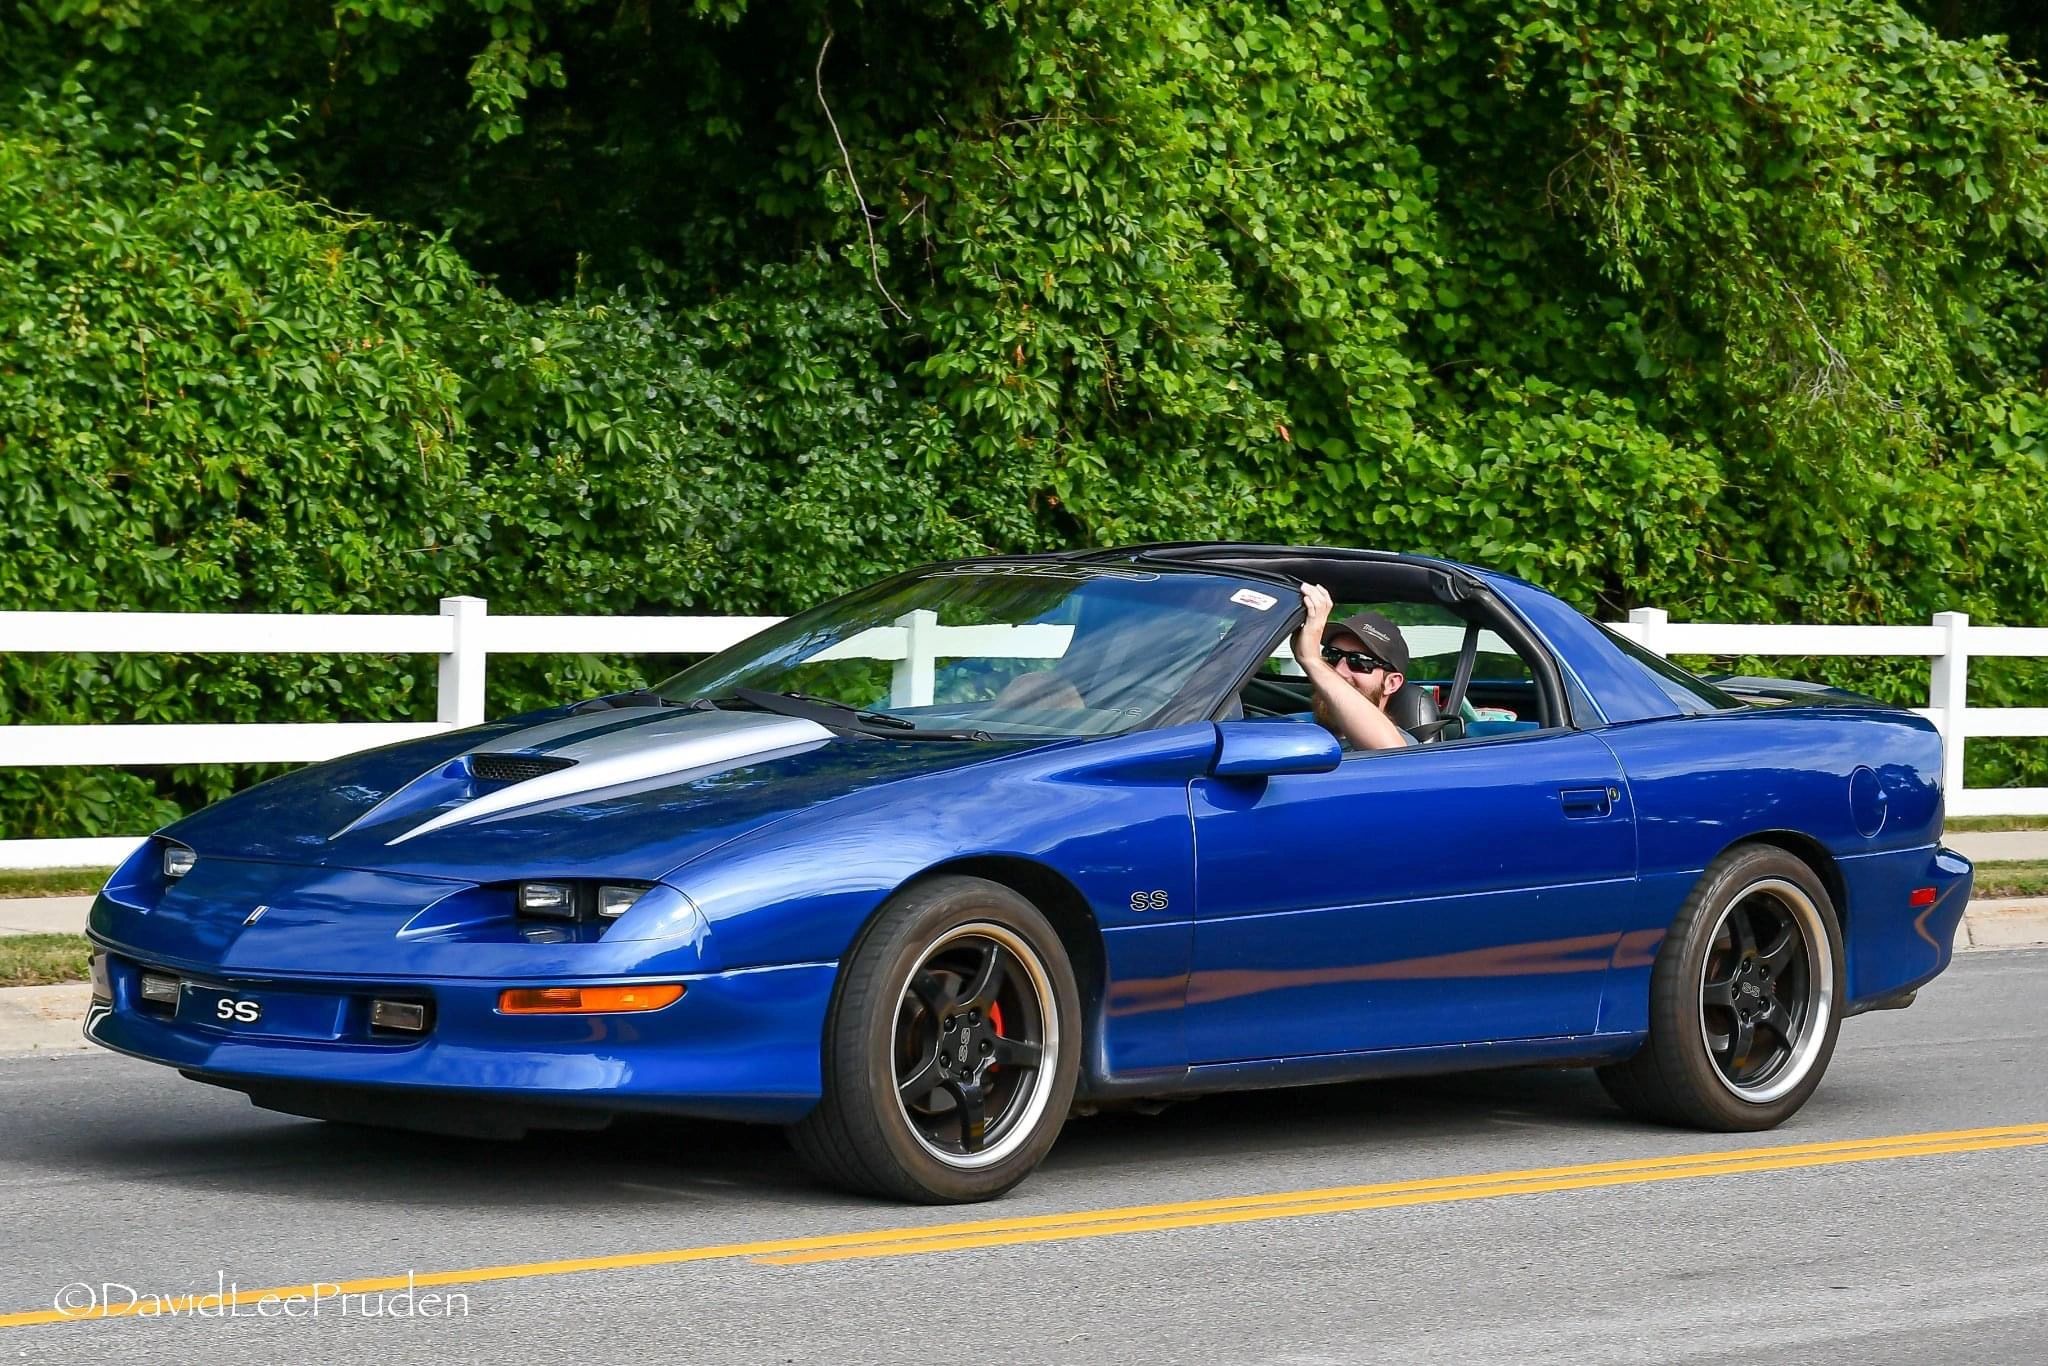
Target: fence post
[
  {"x": 461, "y": 700},
  {"x": 1948, "y": 695},
  {"x": 910, "y": 680},
  {"x": 1650, "y": 621}
]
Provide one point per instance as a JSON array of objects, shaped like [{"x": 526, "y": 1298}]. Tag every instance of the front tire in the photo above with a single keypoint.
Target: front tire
[
  {"x": 952, "y": 1048},
  {"x": 1746, "y": 999}
]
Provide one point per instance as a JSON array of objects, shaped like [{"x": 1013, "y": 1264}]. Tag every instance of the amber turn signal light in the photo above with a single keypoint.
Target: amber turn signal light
[{"x": 587, "y": 1000}]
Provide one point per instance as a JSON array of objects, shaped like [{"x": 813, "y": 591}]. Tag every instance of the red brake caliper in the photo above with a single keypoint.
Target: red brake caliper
[{"x": 995, "y": 1017}]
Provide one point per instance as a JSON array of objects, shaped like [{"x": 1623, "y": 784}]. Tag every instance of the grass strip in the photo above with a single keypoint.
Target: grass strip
[
  {"x": 52, "y": 881},
  {"x": 1987, "y": 823},
  {"x": 2011, "y": 879},
  {"x": 35, "y": 960}
]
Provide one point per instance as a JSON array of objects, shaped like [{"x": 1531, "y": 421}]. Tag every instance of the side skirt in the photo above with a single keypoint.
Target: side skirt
[{"x": 1564, "y": 1050}]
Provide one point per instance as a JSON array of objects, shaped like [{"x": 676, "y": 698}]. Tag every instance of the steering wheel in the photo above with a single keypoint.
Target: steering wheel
[
  {"x": 1271, "y": 697},
  {"x": 1430, "y": 730}
]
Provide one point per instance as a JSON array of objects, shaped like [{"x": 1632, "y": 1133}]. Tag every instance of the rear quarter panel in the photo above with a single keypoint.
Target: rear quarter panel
[{"x": 1703, "y": 783}]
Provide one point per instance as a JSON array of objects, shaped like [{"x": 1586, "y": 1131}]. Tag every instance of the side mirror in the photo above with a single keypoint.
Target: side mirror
[{"x": 1262, "y": 749}]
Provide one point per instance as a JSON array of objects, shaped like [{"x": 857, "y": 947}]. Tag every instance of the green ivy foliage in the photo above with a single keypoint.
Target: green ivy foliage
[
  {"x": 1728, "y": 306},
  {"x": 215, "y": 396}
]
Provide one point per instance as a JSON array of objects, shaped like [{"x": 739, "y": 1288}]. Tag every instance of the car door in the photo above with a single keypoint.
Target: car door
[{"x": 1440, "y": 894}]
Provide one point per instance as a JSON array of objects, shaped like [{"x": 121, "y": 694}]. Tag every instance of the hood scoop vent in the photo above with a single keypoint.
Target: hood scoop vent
[{"x": 514, "y": 768}]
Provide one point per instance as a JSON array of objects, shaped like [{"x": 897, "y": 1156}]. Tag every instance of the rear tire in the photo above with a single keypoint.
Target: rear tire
[
  {"x": 1746, "y": 999},
  {"x": 951, "y": 1051}
]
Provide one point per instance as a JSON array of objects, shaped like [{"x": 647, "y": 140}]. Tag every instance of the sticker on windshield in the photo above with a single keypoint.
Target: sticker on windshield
[{"x": 1253, "y": 598}]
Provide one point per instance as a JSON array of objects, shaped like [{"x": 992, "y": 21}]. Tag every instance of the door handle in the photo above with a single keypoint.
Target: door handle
[{"x": 1587, "y": 803}]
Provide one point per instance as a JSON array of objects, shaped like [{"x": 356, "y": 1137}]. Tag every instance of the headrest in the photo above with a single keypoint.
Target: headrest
[{"x": 1413, "y": 708}]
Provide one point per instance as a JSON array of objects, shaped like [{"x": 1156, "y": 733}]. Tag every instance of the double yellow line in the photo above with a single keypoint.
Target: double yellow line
[
  {"x": 1102, "y": 1223},
  {"x": 1394, "y": 1194}
]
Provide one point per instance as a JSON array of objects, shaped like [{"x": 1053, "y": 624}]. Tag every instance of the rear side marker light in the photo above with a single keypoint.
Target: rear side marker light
[
  {"x": 178, "y": 862},
  {"x": 1922, "y": 896},
  {"x": 587, "y": 1000},
  {"x": 159, "y": 988},
  {"x": 410, "y": 1016}
]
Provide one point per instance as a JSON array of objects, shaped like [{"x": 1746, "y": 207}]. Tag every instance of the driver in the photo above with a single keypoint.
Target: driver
[{"x": 1356, "y": 666}]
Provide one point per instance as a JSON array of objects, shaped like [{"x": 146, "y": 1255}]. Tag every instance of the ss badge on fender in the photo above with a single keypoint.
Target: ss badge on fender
[{"x": 1148, "y": 901}]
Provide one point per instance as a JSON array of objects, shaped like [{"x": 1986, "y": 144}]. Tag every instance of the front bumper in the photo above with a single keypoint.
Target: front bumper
[{"x": 742, "y": 1045}]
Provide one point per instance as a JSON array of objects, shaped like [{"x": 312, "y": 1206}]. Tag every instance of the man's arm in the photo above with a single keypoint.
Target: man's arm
[{"x": 1358, "y": 721}]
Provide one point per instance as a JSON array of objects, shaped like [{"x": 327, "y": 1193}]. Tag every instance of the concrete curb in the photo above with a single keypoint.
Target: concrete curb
[
  {"x": 2004, "y": 923},
  {"x": 43, "y": 1019}
]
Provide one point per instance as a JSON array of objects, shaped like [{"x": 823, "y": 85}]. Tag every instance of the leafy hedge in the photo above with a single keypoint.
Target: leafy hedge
[
  {"x": 216, "y": 396},
  {"x": 1732, "y": 307}
]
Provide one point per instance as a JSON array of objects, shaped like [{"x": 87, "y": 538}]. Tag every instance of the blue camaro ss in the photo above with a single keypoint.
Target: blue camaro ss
[{"x": 918, "y": 871}]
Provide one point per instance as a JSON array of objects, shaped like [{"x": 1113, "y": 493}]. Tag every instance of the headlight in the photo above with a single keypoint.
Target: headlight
[
  {"x": 178, "y": 861},
  {"x": 579, "y": 900},
  {"x": 556, "y": 900}
]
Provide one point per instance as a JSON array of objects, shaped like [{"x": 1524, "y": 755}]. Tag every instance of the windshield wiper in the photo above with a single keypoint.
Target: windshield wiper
[
  {"x": 831, "y": 711},
  {"x": 879, "y": 718}
]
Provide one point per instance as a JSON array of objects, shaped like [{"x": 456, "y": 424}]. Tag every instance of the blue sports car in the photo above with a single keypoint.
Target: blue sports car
[{"x": 920, "y": 871}]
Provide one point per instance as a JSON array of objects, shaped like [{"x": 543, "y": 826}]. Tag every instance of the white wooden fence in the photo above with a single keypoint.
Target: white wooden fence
[
  {"x": 464, "y": 635},
  {"x": 1949, "y": 642}
]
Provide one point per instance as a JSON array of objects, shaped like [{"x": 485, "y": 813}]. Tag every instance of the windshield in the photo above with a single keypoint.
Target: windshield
[{"x": 1029, "y": 649}]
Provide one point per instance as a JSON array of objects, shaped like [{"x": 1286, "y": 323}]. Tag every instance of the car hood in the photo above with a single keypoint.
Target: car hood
[{"x": 626, "y": 793}]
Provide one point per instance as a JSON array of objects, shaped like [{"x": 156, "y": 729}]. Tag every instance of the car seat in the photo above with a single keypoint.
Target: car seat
[{"x": 1413, "y": 709}]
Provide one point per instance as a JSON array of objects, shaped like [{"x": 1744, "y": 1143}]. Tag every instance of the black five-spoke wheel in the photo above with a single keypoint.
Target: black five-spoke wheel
[
  {"x": 1765, "y": 989},
  {"x": 971, "y": 1032},
  {"x": 952, "y": 1049},
  {"x": 1743, "y": 998}
]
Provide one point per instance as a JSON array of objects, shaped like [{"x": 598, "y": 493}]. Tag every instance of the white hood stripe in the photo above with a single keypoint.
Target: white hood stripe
[{"x": 671, "y": 742}]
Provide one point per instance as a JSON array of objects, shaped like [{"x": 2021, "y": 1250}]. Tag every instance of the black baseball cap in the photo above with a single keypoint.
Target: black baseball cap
[{"x": 1380, "y": 637}]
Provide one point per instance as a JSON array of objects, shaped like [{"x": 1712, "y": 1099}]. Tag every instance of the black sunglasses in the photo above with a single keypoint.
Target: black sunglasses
[{"x": 1359, "y": 660}]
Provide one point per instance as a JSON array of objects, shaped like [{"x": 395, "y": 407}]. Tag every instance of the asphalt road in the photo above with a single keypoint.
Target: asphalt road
[{"x": 113, "y": 1171}]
